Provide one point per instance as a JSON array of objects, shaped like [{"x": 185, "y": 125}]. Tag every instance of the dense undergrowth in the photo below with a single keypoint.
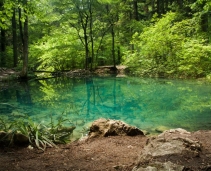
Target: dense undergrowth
[{"x": 171, "y": 47}]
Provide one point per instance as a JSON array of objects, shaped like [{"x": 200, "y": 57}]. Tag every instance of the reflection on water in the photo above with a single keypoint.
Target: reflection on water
[{"x": 150, "y": 104}]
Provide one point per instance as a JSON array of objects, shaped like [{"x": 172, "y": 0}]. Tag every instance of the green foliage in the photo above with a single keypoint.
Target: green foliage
[
  {"x": 170, "y": 47},
  {"x": 195, "y": 58},
  {"x": 6, "y": 13},
  {"x": 63, "y": 34},
  {"x": 40, "y": 135},
  {"x": 59, "y": 51}
]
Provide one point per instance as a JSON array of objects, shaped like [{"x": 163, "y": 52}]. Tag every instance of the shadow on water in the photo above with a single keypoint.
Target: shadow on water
[
  {"x": 23, "y": 95},
  {"x": 15, "y": 100}
]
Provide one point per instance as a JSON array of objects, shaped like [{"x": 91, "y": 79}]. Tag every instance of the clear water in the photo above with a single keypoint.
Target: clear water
[{"x": 149, "y": 104}]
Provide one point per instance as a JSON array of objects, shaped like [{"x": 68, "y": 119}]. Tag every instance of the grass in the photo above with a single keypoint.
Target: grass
[{"x": 39, "y": 135}]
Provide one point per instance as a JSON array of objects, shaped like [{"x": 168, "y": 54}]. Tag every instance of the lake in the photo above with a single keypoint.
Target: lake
[{"x": 150, "y": 104}]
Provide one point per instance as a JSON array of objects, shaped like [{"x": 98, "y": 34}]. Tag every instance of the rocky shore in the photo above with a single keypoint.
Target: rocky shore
[
  {"x": 175, "y": 149},
  {"x": 115, "y": 145}
]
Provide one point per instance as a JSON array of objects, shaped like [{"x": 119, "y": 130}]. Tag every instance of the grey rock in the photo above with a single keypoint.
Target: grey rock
[
  {"x": 157, "y": 166},
  {"x": 177, "y": 142},
  {"x": 148, "y": 168}
]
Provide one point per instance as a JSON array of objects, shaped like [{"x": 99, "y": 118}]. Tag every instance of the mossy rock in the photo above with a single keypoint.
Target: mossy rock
[
  {"x": 6, "y": 138},
  {"x": 9, "y": 138},
  {"x": 20, "y": 139}
]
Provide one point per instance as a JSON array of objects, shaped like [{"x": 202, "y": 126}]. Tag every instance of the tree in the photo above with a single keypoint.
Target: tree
[
  {"x": 2, "y": 38},
  {"x": 171, "y": 48},
  {"x": 15, "y": 41},
  {"x": 23, "y": 15},
  {"x": 86, "y": 33},
  {"x": 6, "y": 13},
  {"x": 112, "y": 19},
  {"x": 3, "y": 47}
]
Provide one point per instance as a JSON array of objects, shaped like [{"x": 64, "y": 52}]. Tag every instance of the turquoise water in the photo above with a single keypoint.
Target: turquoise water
[{"x": 149, "y": 104}]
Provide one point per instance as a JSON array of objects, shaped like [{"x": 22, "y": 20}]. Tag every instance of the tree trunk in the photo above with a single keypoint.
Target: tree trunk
[
  {"x": 2, "y": 42},
  {"x": 86, "y": 47},
  {"x": 162, "y": 7},
  {"x": 84, "y": 24},
  {"x": 166, "y": 4},
  {"x": 135, "y": 10},
  {"x": 25, "y": 50},
  {"x": 113, "y": 45},
  {"x": 158, "y": 8},
  {"x": 180, "y": 3},
  {"x": 15, "y": 43},
  {"x": 204, "y": 22},
  {"x": 209, "y": 26},
  {"x": 3, "y": 48},
  {"x": 24, "y": 38},
  {"x": 20, "y": 26},
  {"x": 119, "y": 55},
  {"x": 91, "y": 33},
  {"x": 153, "y": 8}
]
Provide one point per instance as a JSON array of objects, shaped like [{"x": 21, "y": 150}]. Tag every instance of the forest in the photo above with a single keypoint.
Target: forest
[
  {"x": 163, "y": 38},
  {"x": 150, "y": 38}
]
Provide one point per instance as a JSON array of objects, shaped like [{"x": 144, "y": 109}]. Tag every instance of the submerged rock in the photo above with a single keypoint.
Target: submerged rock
[
  {"x": 107, "y": 127},
  {"x": 161, "y": 129}
]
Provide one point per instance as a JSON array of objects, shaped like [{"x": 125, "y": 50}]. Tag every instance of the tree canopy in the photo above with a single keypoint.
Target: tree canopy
[{"x": 152, "y": 37}]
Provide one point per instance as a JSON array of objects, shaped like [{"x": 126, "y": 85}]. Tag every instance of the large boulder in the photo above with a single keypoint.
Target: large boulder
[
  {"x": 177, "y": 144},
  {"x": 107, "y": 127}
]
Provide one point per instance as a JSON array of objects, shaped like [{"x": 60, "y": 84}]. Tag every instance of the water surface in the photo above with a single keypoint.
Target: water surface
[{"x": 149, "y": 104}]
